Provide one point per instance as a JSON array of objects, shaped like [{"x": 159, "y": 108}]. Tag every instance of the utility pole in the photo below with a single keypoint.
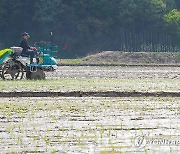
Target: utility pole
[{"x": 51, "y": 33}]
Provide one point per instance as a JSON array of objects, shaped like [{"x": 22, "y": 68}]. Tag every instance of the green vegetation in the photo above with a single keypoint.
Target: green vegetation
[
  {"x": 92, "y": 84},
  {"x": 81, "y": 27},
  {"x": 173, "y": 22},
  {"x": 70, "y": 61}
]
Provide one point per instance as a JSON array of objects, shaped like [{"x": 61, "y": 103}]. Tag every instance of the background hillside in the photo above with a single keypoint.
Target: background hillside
[{"x": 81, "y": 27}]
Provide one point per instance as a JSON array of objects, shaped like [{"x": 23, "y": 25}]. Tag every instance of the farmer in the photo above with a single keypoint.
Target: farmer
[{"x": 27, "y": 50}]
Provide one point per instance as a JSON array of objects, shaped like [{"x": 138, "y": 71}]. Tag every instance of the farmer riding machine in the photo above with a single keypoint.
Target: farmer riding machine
[{"x": 14, "y": 66}]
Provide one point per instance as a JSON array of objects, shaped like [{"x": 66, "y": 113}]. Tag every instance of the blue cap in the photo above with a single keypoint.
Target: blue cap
[{"x": 25, "y": 33}]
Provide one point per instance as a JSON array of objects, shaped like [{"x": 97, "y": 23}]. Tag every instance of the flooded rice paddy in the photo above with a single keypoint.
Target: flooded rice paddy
[
  {"x": 93, "y": 125},
  {"x": 90, "y": 125}
]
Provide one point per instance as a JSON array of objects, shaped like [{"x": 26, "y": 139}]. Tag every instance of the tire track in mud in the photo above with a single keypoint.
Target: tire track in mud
[
  {"x": 89, "y": 94},
  {"x": 119, "y": 72}
]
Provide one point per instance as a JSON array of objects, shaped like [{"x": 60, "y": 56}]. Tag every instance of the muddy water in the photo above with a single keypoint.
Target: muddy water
[
  {"x": 115, "y": 72},
  {"x": 90, "y": 125}
]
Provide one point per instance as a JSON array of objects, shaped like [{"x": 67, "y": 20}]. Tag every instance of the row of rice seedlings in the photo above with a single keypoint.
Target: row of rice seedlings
[
  {"x": 92, "y": 84},
  {"x": 96, "y": 136}
]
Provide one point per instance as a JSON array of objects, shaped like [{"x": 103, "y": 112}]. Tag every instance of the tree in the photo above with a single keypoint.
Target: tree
[
  {"x": 172, "y": 20},
  {"x": 85, "y": 25}
]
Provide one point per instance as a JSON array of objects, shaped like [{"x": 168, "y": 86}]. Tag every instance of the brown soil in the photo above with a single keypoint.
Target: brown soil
[
  {"x": 126, "y": 72},
  {"x": 134, "y": 57},
  {"x": 90, "y": 94}
]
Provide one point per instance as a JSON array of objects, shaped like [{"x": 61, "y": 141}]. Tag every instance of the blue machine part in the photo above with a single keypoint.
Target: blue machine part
[{"x": 48, "y": 60}]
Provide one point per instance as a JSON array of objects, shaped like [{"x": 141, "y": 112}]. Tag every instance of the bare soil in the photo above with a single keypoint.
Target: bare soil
[
  {"x": 89, "y": 94},
  {"x": 134, "y": 57},
  {"x": 122, "y": 72}
]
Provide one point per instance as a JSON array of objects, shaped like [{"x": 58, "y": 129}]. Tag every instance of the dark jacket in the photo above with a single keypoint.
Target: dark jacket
[{"x": 24, "y": 45}]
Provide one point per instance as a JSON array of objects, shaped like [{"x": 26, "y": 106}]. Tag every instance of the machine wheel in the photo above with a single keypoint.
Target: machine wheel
[
  {"x": 28, "y": 74},
  {"x": 37, "y": 75},
  {"x": 12, "y": 70},
  {"x": 1, "y": 70}
]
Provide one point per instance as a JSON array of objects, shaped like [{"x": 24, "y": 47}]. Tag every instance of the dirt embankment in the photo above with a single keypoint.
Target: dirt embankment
[
  {"x": 118, "y": 57},
  {"x": 90, "y": 94}
]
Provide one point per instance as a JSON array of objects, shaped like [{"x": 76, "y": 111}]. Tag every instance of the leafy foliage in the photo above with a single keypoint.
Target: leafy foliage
[
  {"x": 173, "y": 22},
  {"x": 83, "y": 26}
]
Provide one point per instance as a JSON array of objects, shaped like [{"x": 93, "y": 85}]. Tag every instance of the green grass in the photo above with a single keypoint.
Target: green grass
[
  {"x": 92, "y": 84},
  {"x": 77, "y": 62},
  {"x": 70, "y": 61}
]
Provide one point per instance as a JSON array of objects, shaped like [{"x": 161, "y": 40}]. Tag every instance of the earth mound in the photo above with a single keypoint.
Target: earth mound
[{"x": 134, "y": 57}]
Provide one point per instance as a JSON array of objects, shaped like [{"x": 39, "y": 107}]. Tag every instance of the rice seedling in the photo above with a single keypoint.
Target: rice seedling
[
  {"x": 70, "y": 84},
  {"x": 103, "y": 122}
]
